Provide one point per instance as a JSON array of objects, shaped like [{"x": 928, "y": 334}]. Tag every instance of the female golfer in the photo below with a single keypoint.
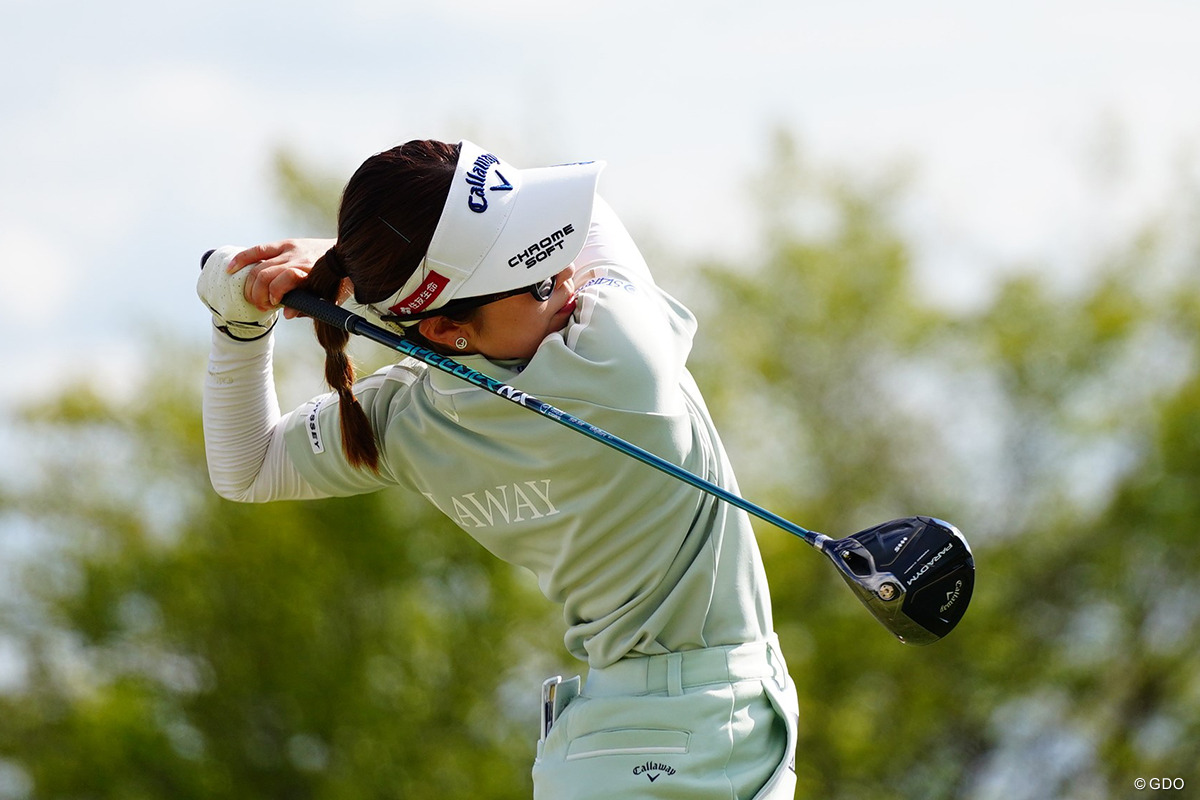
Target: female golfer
[{"x": 527, "y": 276}]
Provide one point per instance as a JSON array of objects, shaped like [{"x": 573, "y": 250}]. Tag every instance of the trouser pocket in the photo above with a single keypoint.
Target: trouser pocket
[
  {"x": 634, "y": 741},
  {"x": 557, "y": 694},
  {"x": 629, "y": 763},
  {"x": 640, "y": 747},
  {"x": 782, "y": 783}
]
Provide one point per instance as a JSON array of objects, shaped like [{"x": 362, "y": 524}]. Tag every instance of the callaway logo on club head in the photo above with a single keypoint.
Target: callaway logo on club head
[
  {"x": 952, "y": 597},
  {"x": 477, "y": 180}
]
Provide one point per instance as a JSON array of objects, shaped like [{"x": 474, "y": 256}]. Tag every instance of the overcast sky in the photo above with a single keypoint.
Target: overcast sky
[{"x": 135, "y": 135}]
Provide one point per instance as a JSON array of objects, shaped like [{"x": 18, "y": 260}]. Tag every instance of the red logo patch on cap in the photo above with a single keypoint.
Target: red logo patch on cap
[{"x": 425, "y": 294}]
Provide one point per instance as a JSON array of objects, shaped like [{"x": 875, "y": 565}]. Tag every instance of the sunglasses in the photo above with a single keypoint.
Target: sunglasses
[{"x": 541, "y": 291}]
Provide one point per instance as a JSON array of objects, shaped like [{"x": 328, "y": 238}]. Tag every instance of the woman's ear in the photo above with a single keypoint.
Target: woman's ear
[{"x": 445, "y": 332}]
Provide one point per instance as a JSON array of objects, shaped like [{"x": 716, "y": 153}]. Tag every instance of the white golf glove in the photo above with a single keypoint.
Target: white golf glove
[{"x": 223, "y": 294}]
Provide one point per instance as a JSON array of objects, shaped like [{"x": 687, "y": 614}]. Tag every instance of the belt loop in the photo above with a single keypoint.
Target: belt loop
[{"x": 674, "y": 674}]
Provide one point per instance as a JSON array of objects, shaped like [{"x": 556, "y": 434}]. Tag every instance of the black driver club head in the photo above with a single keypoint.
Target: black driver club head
[{"x": 914, "y": 574}]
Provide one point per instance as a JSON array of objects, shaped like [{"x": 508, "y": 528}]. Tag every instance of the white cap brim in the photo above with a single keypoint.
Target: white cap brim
[{"x": 501, "y": 228}]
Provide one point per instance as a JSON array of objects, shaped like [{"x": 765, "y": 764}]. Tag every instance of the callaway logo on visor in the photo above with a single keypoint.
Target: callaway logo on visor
[
  {"x": 477, "y": 179},
  {"x": 487, "y": 243}
]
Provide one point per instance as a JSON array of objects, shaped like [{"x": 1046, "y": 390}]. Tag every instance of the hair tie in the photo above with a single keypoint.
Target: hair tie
[{"x": 333, "y": 262}]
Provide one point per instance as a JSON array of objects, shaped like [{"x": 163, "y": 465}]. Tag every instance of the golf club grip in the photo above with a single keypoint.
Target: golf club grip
[
  {"x": 333, "y": 314},
  {"x": 310, "y": 305}
]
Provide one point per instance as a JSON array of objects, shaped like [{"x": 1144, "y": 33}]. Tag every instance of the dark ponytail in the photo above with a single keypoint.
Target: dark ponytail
[
  {"x": 358, "y": 437},
  {"x": 386, "y": 220}
]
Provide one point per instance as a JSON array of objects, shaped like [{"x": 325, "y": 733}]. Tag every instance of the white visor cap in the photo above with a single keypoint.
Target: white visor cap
[{"x": 501, "y": 228}]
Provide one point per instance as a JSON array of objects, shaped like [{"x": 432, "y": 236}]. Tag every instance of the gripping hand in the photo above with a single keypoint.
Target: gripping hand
[{"x": 224, "y": 294}]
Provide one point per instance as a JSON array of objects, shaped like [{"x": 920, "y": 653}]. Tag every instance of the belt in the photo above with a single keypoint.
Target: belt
[{"x": 674, "y": 672}]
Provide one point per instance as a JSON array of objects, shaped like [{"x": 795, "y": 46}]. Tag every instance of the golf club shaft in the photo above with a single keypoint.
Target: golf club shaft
[{"x": 333, "y": 314}]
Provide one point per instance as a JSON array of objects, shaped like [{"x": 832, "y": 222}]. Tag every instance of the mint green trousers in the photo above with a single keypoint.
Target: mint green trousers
[{"x": 717, "y": 723}]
